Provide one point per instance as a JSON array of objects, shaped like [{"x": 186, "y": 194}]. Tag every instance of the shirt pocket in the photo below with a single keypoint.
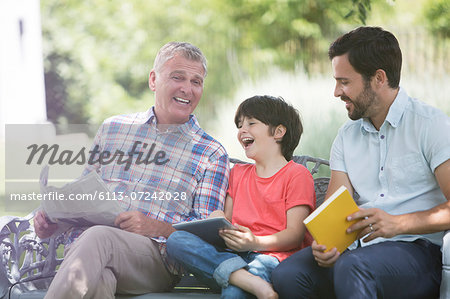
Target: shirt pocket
[{"x": 408, "y": 173}]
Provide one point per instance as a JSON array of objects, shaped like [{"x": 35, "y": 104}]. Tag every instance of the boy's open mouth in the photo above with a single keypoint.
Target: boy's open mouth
[{"x": 247, "y": 141}]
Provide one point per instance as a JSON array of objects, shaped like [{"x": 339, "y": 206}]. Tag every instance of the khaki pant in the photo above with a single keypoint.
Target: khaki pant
[{"x": 106, "y": 260}]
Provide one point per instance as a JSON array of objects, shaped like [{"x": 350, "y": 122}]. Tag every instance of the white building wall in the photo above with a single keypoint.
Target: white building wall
[{"x": 22, "y": 92}]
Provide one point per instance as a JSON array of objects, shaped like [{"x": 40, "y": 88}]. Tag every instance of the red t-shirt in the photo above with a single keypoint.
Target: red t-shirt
[{"x": 261, "y": 203}]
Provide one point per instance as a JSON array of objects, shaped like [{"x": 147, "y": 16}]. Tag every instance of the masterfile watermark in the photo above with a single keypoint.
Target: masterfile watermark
[
  {"x": 102, "y": 157},
  {"x": 153, "y": 166},
  {"x": 102, "y": 196}
]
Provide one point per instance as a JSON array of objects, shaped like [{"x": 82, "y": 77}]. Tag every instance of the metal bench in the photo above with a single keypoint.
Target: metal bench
[{"x": 28, "y": 263}]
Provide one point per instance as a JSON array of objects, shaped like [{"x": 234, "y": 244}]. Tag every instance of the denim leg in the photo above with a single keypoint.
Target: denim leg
[
  {"x": 262, "y": 265},
  {"x": 258, "y": 264},
  {"x": 226, "y": 267},
  {"x": 209, "y": 264},
  {"x": 299, "y": 276},
  {"x": 389, "y": 270}
]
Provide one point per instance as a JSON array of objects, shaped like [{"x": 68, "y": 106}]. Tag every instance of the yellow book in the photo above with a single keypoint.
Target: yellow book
[{"x": 328, "y": 223}]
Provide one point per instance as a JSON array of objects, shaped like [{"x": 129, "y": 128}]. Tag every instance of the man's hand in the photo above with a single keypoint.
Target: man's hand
[
  {"x": 376, "y": 223},
  {"x": 324, "y": 259},
  {"x": 239, "y": 240},
  {"x": 136, "y": 222},
  {"x": 42, "y": 226},
  {"x": 217, "y": 214}
]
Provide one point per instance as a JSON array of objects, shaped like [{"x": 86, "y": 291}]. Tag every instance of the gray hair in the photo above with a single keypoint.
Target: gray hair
[{"x": 187, "y": 50}]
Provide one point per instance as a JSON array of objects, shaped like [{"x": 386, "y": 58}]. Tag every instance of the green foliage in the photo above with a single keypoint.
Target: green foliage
[
  {"x": 437, "y": 13},
  {"x": 98, "y": 53},
  {"x": 361, "y": 8}
]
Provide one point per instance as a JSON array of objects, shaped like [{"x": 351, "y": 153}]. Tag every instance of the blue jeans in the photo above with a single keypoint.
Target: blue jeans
[
  {"x": 213, "y": 266},
  {"x": 384, "y": 270}
]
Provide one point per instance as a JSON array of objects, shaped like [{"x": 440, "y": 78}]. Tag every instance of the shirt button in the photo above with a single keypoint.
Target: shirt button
[
  {"x": 382, "y": 195},
  {"x": 382, "y": 168},
  {"x": 382, "y": 136}
]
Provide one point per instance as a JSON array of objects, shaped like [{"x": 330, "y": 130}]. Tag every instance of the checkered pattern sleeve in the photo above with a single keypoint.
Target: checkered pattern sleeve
[{"x": 211, "y": 190}]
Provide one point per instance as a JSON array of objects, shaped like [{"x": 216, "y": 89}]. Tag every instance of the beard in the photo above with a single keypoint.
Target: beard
[{"x": 362, "y": 103}]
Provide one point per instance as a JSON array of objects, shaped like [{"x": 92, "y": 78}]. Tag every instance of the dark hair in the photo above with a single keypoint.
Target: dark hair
[
  {"x": 370, "y": 49},
  {"x": 274, "y": 111}
]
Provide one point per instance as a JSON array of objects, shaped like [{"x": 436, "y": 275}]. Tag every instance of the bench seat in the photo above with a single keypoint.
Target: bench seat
[{"x": 29, "y": 263}]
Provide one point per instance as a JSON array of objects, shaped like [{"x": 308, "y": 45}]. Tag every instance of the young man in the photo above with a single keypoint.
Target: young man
[
  {"x": 191, "y": 170},
  {"x": 267, "y": 201},
  {"x": 395, "y": 154}
]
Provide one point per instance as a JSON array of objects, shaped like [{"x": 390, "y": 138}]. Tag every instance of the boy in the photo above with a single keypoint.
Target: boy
[{"x": 267, "y": 202}]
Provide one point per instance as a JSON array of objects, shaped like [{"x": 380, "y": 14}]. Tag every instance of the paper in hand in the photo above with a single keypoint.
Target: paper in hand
[{"x": 86, "y": 201}]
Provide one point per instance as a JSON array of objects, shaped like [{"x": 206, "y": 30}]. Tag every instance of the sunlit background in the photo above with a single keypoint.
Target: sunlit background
[{"x": 78, "y": 62}]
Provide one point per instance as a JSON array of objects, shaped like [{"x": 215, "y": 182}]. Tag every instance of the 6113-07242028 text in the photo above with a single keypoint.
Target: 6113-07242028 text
[{"x": 113, "y": 196}]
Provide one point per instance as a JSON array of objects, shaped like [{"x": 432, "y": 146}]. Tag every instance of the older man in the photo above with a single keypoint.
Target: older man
[{"x": 187, "y": 180}]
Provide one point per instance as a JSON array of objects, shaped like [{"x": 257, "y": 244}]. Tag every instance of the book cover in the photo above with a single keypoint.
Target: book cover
[
  {"x": 207, "y": 229},
  {"x": 328, "y": 223}
]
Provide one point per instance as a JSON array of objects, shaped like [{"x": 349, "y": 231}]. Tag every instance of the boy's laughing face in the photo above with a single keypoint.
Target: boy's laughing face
[{"x": 255, "y": 138}]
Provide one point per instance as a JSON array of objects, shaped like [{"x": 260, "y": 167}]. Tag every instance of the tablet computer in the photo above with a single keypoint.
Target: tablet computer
[{"x": 207, "y": 229}]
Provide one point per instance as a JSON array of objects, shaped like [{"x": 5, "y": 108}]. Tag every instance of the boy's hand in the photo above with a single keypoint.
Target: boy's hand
[
  {"x": 239, "y": 240},
  {"x": 324, "y": 259}
]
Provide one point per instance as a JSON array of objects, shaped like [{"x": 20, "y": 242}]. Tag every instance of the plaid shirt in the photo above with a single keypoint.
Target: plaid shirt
[{"x": 177, "y": 174}]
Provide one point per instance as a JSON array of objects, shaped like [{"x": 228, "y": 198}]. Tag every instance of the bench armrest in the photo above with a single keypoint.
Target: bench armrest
[{"x": 27, "y": 262}]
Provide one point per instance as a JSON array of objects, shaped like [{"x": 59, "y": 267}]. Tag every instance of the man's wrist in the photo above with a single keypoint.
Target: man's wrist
[{"x": 168, "y": 229}]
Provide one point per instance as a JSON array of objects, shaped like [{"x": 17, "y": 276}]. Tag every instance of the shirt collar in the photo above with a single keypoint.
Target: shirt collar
[
  {"x": 394, "y": 115},
  {"x": 397, "y": 108},
  {"x": 149, "y": 117}
]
